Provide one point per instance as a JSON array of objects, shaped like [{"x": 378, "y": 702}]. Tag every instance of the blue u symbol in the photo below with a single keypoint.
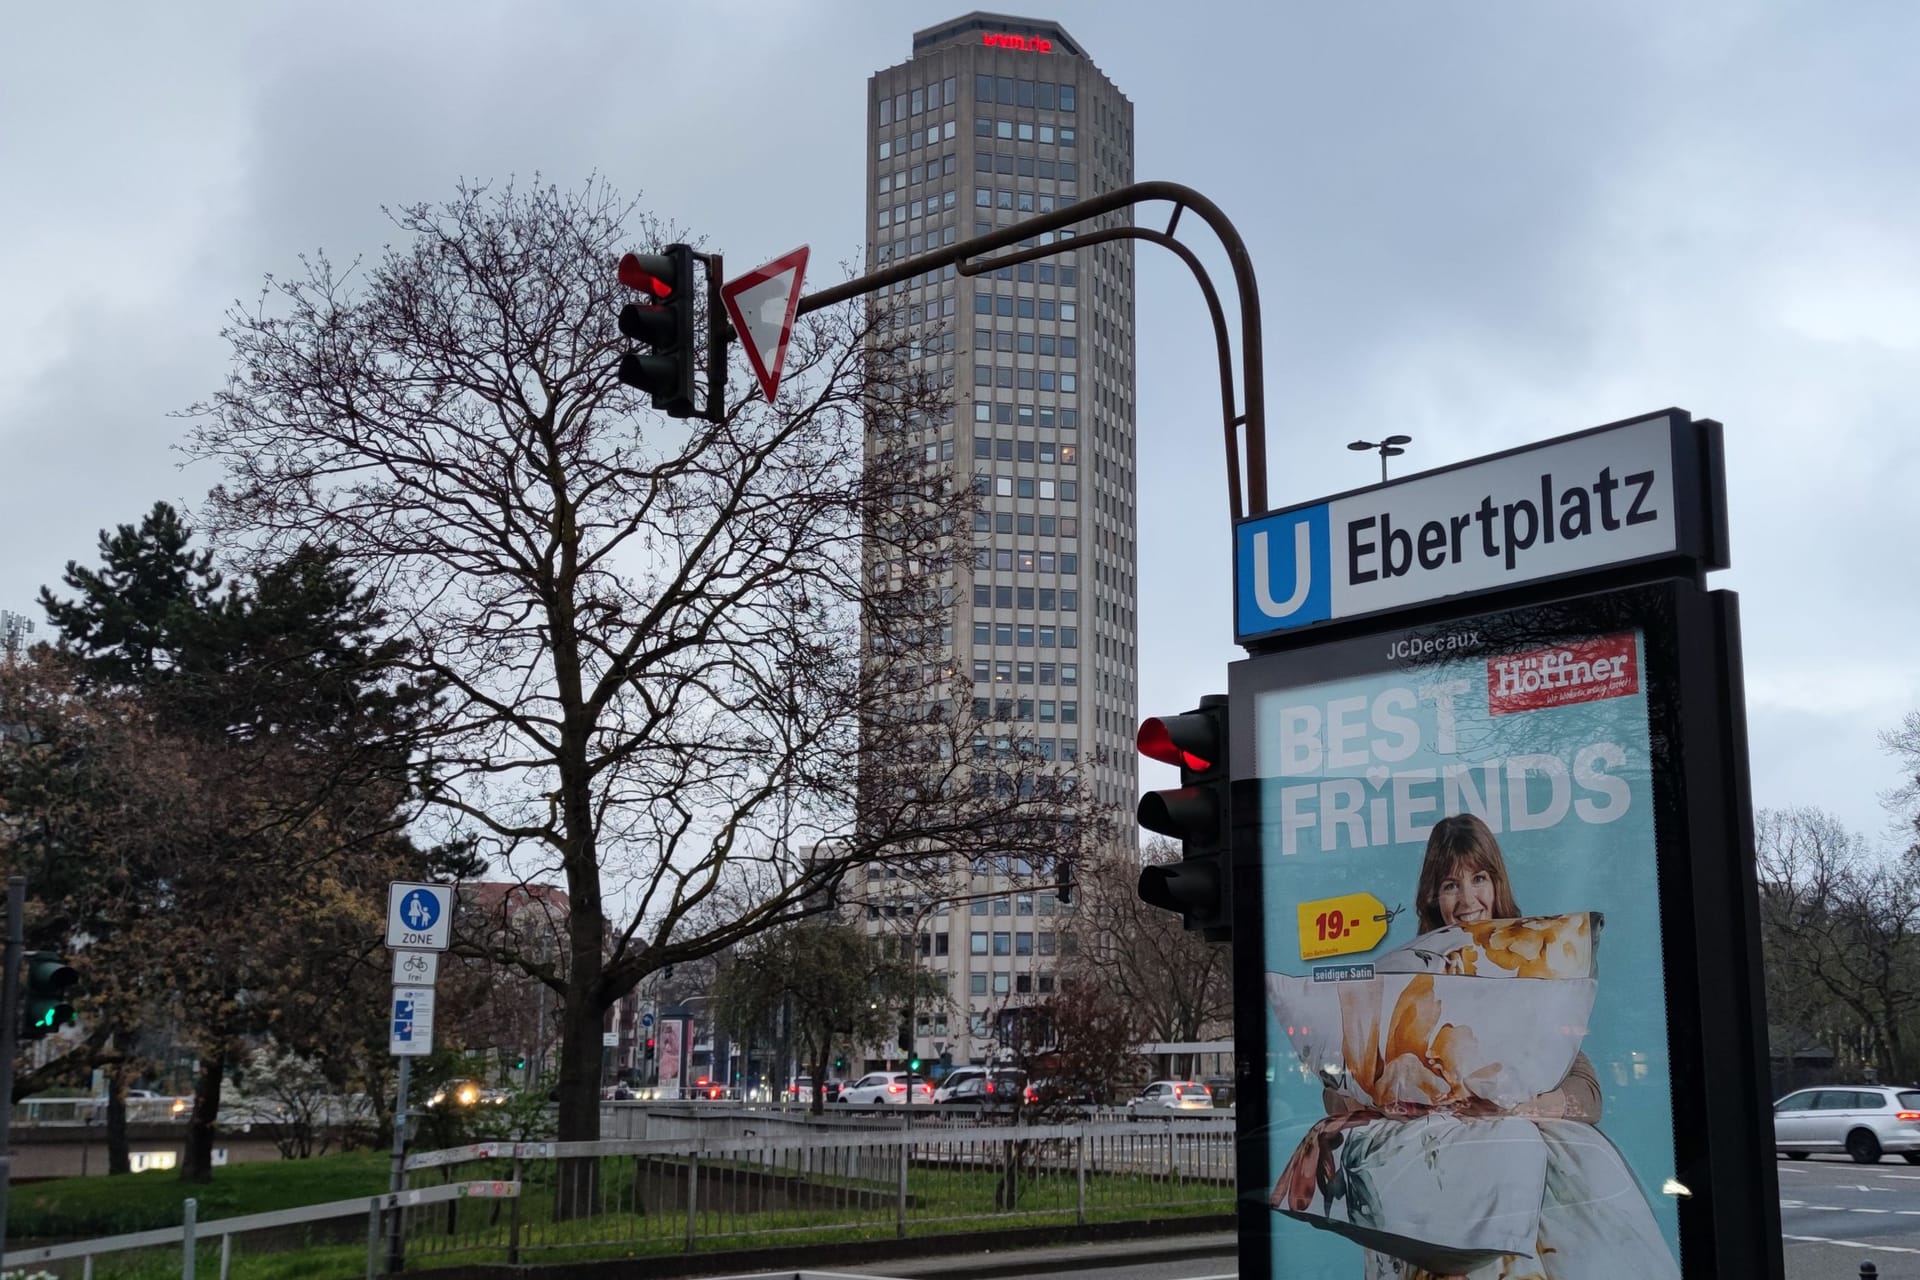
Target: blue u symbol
[
  {"x": 1285, "y": 571},
  {"x": 1302, "y": 573}
]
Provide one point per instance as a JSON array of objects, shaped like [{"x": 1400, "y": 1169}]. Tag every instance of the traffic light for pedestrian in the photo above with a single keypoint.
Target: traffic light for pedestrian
[
  {"x": 44, "y": 1007},
  {"x": 1198, "y": 814},
  {"x": 662, "y": 325}
]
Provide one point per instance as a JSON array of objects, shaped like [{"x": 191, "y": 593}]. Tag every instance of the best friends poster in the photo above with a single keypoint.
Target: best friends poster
[{"x": 1467, "y": 1036}]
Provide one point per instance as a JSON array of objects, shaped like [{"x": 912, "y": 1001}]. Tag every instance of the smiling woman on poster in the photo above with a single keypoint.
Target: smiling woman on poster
[
  {"x": 1461, "y": 1139},
  {"x": 1463, "y": 880}
]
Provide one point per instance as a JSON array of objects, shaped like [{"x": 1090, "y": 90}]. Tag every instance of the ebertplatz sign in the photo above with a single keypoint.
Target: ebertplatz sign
[{"x": 1630, "y": 493}]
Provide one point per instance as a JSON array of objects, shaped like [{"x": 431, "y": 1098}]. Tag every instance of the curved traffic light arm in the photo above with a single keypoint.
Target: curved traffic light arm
[{"x": 1252, "y": 415}]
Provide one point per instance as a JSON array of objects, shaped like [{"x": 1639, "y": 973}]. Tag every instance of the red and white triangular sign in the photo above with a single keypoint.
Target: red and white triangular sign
[{"x": 762, "y": 305}]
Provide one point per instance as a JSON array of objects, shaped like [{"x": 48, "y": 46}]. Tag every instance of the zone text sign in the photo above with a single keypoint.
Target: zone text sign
[
  {"x": 1633, "y": 492},
  {"x": 419, "y": 916}
]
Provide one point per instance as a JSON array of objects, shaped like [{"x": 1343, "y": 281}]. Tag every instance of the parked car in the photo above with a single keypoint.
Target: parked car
[
  {"x": 877, "y": 1087},
  {"x": 943, "y": 1090},
  {"x": 1046, "y": 1092},
  {"x": 1169, "y": 1098},
  {"x": 800, "y": 1089},
  {"x": 999, "y": 1091},
  {"x": 949, "y": 1083},
  {"x": 1862, "y": 1120}
]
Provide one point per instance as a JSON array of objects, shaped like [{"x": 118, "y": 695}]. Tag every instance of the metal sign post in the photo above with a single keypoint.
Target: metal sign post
[{"x": 419, "y": 927}]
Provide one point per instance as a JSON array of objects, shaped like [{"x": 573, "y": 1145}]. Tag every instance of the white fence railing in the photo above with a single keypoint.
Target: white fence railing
[
  {"x": 670, "y": 1195},
  {"x": 192, "y": 1233}
]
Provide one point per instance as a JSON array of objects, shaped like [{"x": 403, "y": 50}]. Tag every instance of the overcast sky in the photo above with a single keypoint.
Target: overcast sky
[{"x": 1480, "y": 223}]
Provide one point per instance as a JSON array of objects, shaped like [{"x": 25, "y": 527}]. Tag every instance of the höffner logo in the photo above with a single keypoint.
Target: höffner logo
[{"x": 1579, "y": 503}]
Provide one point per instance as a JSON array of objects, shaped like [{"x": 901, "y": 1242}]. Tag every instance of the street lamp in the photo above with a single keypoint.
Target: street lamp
[{"x": 1388, "y": 448}]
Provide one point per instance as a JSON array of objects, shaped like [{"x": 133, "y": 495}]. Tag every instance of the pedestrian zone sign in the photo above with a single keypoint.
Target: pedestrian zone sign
[{"x": 419, "y": 916}]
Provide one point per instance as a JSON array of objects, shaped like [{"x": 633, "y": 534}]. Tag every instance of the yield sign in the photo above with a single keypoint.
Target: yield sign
[{"x": 762, "y": 304}]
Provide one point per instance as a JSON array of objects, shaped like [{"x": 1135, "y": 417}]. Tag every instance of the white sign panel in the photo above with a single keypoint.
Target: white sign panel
[
  {"x": 1584, "y": 502},
  {"x": 415, "y": 968},
  {"x": 410, "y": 1028},
  {"x": 609, "y": 1039},
  {"x": 762, "y": 304},
  {"x": 419, "y": 916}
]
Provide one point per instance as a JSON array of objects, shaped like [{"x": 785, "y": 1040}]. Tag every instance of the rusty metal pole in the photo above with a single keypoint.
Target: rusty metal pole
[{"x": 1253, "y": 413}]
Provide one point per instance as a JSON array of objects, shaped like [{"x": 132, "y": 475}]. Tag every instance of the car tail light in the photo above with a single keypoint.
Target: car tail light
[
  {"x": 989, "y": 1087},
  {"x": 1178, "y": 1092},
  {"x": 1907, "y": 1115},
  {"x": 896, "y": 1088},
  {"x": 926, "y": 1088}
]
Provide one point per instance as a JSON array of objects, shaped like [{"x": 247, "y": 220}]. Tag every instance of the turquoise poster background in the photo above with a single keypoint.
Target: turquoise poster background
[{"x": 1354, "y": 772}]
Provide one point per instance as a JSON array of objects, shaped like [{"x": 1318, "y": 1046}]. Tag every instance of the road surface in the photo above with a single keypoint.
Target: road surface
[{"x": 1835, "y": 1214}]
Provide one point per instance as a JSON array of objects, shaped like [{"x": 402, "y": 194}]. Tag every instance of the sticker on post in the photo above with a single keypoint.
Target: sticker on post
[{"x": 1341, "y": 926}]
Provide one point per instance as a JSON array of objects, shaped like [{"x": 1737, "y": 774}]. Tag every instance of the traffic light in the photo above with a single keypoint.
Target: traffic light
[
  {"x": 913, "y": 1063},
  {"x": 44, "y": 1007},
  {"x": 906, "y": 1035},
  {"x": 649, "y": 1046},
  {"x": 1198, "y": 814},
  {"x": 1063, "y": 881},
  {"x": 664, "y": 325},
  {"x": 840, "y": 1063}
]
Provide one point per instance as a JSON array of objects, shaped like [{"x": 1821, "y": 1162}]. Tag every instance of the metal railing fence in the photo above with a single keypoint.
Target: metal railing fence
[
  {"x": 191, "y": 1234},
  {"x": 683, "y": 1195}
]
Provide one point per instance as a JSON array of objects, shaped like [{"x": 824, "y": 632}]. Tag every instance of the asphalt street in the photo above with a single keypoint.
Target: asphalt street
[{"x": 1835, "y": 1214}]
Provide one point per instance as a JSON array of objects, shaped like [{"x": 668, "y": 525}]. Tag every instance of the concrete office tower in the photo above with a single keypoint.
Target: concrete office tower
[{"x": 994, "y": 119}]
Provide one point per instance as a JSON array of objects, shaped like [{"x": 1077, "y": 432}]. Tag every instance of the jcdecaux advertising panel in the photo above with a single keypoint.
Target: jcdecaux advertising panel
[{"x": 1463, "y": 961}]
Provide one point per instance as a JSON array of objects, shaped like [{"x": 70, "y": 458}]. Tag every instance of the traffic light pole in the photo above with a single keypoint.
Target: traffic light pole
[
  {"x": 1243, "y": 498},
  {"x": 10, "y": 1033}
]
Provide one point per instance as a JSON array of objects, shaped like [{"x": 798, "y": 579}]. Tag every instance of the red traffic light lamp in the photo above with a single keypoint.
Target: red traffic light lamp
[
  {"x": 663, "y": 323},
  {"x": 1197, "y": 813}
]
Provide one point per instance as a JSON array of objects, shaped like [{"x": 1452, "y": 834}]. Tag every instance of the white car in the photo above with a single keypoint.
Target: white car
[
  {"x": 1863, "y": 1120},
  {"x": 1169, "y": 1098},
  {"x": 885, "y": 1087}
]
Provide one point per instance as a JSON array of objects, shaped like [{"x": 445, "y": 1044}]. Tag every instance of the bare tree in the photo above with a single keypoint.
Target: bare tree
[
  {"x": 1841, "y": 930},
  {"x": 678, "y": 655},
  {"x": 1176, "y": 986}
]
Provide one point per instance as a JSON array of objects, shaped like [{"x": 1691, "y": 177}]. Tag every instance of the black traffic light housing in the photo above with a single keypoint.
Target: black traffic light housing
[
  {"x": 906, "y": 1035},
  {"x": 1198, "y": 814},
  {"x": 43, "y": 1007},
  {"x": 663, "y": 325}
]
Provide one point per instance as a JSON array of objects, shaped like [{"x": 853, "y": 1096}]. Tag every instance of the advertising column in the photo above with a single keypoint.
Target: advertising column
[{"x": 672, "y": 1056}]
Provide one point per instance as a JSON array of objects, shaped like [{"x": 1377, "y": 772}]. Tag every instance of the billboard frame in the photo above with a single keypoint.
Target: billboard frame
[{"x": 1729, "y": 1213}]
